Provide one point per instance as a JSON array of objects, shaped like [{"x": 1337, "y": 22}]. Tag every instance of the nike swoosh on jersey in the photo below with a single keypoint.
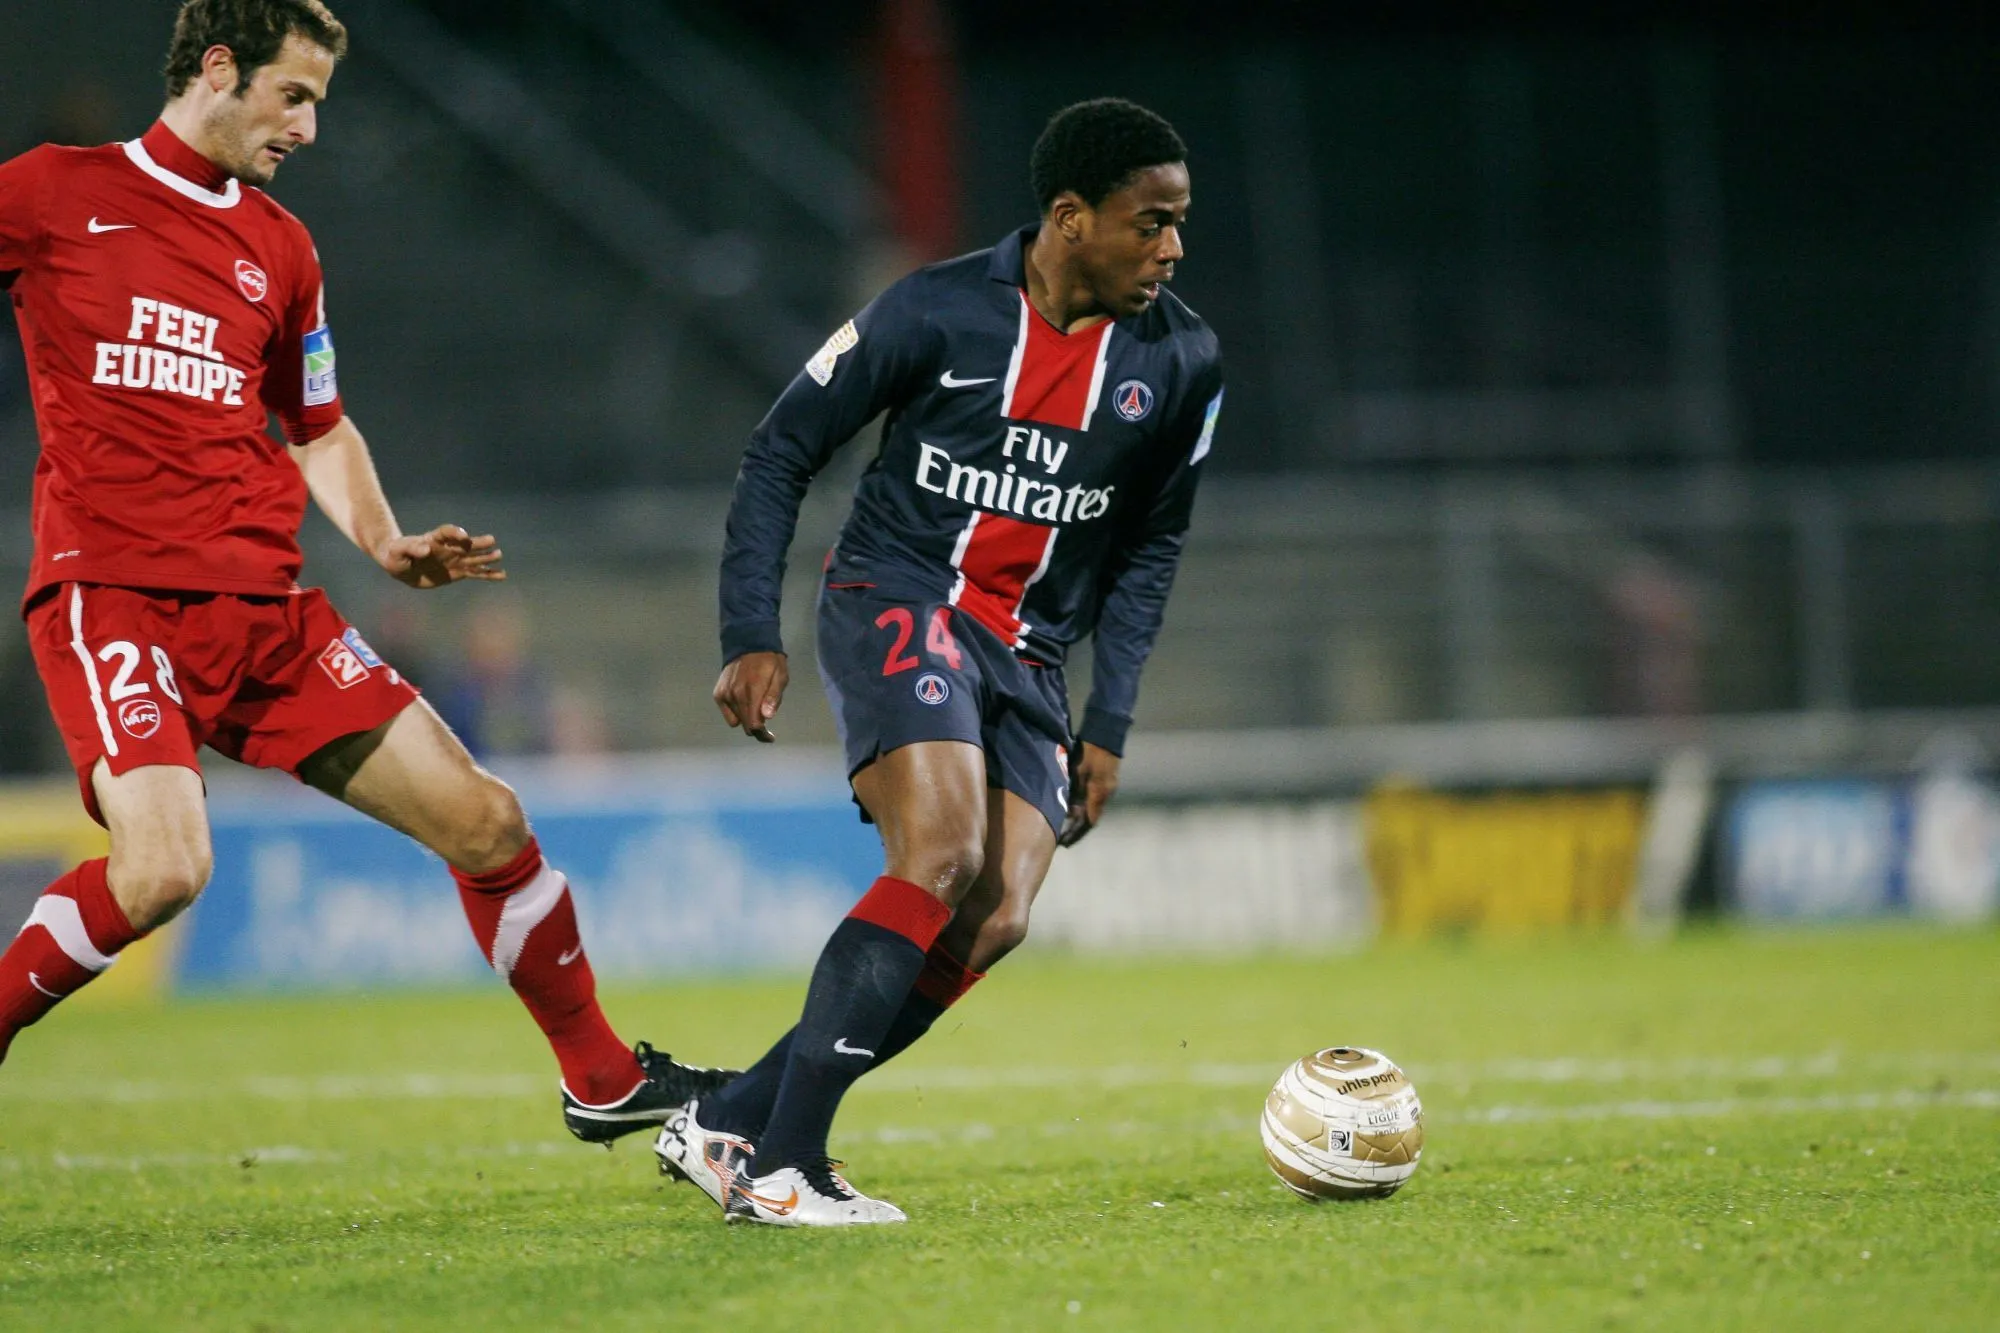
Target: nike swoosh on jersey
[
  {"x": 565, "y": 959},
  {"x": 949, "y": 382},
  {"x": 99, "y": 228},
  {"x": 840, "y": 1047}
]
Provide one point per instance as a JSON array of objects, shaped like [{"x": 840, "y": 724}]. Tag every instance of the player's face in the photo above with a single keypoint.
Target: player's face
[
  {"x": 1134, "y": 239},
  {"x": 278, "y": 114}
]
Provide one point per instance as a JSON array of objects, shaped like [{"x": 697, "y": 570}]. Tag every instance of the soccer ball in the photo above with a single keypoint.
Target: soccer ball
[{"x": 1343, "y": 1124}]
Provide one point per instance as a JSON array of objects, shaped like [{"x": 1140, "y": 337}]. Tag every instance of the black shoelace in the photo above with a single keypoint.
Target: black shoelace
[{"x": 820, "y": 1174}]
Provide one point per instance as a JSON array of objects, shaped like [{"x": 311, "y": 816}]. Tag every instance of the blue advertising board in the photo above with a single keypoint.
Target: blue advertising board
[
  {"x": 674, "y": 871},
  {"x": 1818, "y": 848}
]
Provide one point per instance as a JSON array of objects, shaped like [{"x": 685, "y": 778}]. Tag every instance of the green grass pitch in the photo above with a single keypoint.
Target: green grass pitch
[{"x": 1737, "y": 1130}]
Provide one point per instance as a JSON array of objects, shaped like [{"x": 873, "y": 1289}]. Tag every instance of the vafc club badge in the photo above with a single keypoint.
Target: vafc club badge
[
  {"x": 932, "y": 689},
  {"x": 1133, "y": 400},
  {"x": 140, "y": 718},
  {"x": 342, "y": 664},
  {"x": 250, "y": 280}
]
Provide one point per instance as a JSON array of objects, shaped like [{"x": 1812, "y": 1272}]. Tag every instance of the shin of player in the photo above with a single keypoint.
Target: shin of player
[
  {"x": 524, "y": 919},
  {"x": 75, "y": 931}
]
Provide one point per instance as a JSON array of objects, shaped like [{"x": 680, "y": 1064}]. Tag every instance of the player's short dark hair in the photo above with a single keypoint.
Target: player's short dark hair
[
  {"x": 252, "y": 29},
  {"x": 1095, "y": 148}
]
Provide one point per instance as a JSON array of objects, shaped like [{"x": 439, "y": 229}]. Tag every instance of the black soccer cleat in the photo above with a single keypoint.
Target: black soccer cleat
[{"x": 669, "y": 1084}]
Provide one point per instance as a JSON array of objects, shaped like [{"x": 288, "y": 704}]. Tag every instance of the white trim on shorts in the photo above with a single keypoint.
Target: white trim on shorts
[{"x": 89, "y": 668}]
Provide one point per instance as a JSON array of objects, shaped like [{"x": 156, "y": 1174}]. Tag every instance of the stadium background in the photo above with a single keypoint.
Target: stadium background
[{"x": 1604, "y": 522}]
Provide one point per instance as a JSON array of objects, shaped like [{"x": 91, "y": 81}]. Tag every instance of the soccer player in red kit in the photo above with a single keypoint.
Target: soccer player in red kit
[{"x": 168, "y": 307}]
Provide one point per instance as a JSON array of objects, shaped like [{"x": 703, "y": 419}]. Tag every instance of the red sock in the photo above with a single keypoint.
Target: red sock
[
  {"x": 74, "y": 932},
  {"x": 945, "y": 978},
  {"x": 898, "y": 905},
  {"x": 525, "y": 923}
]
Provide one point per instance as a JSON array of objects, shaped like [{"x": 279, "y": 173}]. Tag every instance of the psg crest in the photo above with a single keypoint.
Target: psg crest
[
  {"x": 1133, "y": 400},
  {"x": 932, "y": 688}
]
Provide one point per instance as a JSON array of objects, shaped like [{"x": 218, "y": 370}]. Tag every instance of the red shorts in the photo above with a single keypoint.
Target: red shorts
[{"x": 138, "y": 677}]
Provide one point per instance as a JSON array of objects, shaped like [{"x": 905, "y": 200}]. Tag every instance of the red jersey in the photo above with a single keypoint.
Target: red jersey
[{"x": 166, "y": 312}]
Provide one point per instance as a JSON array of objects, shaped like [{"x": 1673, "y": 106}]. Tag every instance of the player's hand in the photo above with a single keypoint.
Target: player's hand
[
  {"x": 1093, "y": 781},
  {"x": 445, "y": 554},
  {"x": 749, "y": 691}
]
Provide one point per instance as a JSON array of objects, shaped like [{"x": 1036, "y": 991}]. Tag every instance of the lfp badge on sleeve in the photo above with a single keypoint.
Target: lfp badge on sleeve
[{"x": 322, "y": 387}]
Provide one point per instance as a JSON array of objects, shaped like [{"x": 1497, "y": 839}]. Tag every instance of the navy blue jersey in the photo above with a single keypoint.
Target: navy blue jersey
[{"x": 1038, "y": 481}]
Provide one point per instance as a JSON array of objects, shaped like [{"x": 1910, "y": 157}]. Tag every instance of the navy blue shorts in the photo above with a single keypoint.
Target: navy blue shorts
[{"x": 898, "y": 672}]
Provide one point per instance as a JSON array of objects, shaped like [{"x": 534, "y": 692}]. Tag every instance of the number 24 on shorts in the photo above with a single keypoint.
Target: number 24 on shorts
[{"x": 937, "y": 639}]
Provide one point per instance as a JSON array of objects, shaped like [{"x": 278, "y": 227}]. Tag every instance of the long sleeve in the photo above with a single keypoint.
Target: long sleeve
[
  {"x": 1141, "y": 574},
  {"x": 865, "y": 368}
]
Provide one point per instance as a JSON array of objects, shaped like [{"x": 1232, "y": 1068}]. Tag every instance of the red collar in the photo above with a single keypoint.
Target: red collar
[{"x": 169, "y": 151}]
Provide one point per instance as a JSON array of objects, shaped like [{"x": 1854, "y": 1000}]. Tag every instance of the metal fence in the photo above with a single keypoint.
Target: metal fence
[{"x": 1303, "y": 602}]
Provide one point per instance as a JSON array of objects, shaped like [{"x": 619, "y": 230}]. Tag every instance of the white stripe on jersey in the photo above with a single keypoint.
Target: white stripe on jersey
[
  {"x": 1014, "y": 364},
  {"x": 964, "y": 544},
  {"x": 1048, "y": 552},
  {"x": 1097, "y": 375}
]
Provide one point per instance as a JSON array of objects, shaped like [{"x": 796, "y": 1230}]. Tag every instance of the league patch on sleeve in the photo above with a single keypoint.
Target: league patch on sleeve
[
  {"x": 843, "y": 339},
  {"x": 1201, "y": 445},
  {"x": 321, "y": 385}
]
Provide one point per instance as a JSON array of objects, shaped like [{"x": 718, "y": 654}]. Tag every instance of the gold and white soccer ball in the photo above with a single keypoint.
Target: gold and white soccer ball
[{"x": 1343, "y": 1124}]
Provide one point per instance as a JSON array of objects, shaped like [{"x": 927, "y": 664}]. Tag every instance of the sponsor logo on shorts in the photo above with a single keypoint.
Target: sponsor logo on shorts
[
  {"x": 932, "y": 688},
  {"x": 139, "y": 717},
  {"x": 360, "y": 646},
  {"x": 343, "y": 665},
  {"x": 250, "y": 280},
  {"x": 1133, "y": 399}
]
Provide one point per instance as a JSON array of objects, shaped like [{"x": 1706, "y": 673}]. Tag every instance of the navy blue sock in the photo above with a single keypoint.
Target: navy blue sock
[
  {"x": 744, "y": 1107},
  {"x": 859, "y": 985}
]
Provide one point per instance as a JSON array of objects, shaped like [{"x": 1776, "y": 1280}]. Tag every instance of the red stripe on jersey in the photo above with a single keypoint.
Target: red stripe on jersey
[
  {"x": 1054, "y": 377},
  {"x": 998, "y": 559}
]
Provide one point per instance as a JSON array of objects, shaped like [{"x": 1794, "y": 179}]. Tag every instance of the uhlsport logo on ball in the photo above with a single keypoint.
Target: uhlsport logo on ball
[{"x": 1343, "y": 1124}]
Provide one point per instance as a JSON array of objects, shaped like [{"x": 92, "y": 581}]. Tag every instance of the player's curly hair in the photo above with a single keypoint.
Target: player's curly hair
[
  {"x": 1094, "y": 148},
  {"x": 252, "y": 29}
]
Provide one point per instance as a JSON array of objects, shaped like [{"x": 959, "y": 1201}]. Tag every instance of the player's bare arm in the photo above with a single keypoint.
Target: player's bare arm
[
  {"x": 750, "y": 690},
  {"x": 340, "y": 472}
]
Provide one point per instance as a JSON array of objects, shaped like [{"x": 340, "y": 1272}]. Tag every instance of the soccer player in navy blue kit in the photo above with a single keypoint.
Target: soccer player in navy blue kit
[{"x": 1049, "y": 407}]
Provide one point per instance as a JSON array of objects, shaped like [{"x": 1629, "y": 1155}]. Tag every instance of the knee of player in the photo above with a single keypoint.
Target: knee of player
[
  {"x": 1000, "y": 934},
  {"x": 159, "y": 887},
  {"x": 948, "y": 867},
  {"x": 493, "y": 830}
]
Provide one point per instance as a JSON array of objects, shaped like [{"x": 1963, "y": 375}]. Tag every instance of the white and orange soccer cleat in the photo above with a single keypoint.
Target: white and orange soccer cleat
[
  {"x": 710, "y": 1159},
  {"x": 812, "y": 1195}
]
